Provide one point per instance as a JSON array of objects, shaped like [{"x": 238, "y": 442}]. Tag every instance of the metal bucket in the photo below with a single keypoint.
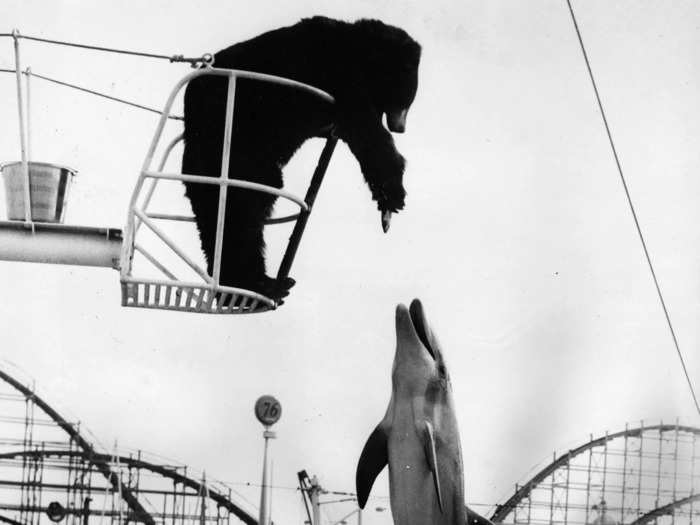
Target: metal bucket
[{"x": 48, "y": 184}]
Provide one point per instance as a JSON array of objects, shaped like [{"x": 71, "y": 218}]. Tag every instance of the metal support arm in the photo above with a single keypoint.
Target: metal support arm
[
  {"x": 60, "y": 244},
  {"x": 300, "y": 225}
]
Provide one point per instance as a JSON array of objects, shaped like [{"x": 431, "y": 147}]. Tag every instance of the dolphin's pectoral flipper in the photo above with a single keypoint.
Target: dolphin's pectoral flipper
[
  {"x": 373, "y": 459},
  {"x": 431, "y": 457}
]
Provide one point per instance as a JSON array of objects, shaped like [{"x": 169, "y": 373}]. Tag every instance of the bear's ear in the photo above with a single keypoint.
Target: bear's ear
[
  {"x": 322, "y": 21},
  {"x": 371, "y": 25},
  {"x": 394, "y": 42}
]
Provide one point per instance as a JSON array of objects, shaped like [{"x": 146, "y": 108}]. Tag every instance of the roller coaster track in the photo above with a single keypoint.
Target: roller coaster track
[
  {"x": 129, "y": 462},
  {"x": 522, "y": 492},
  {"x": 139, "y": 513}
]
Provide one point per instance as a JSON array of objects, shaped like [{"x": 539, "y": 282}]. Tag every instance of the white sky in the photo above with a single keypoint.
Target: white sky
[{"x": 516, "y": 236}]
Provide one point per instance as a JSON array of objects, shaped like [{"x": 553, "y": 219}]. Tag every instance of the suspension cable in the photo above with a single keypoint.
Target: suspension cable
[
  {"x": 631, "y": 205},
  {"x": 92, "y": 92},
  {"x": 204, "y": 59}
]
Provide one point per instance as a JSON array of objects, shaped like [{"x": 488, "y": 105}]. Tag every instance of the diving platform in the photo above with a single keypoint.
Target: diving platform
[{"x": 36, "y": 196}]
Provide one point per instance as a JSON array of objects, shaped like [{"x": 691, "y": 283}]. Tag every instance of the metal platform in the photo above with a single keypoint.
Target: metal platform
[{"x": 193, "y": 297}]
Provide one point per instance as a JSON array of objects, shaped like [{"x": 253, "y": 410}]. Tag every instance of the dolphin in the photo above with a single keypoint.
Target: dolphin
[{"x": 418, "y": 437}]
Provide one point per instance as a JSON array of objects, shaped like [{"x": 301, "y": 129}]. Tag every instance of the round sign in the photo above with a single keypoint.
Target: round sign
[{"x": 268, "y": 410}]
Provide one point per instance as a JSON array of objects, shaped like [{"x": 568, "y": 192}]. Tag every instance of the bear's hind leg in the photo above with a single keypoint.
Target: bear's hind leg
[
  {"x": 243, "y": 252},
  {"x": 243, "y": 255}
]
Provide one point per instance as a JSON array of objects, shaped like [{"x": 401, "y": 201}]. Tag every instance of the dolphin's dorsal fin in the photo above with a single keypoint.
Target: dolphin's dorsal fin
[
  {"x": 373, "y": 459},
  {"x": 431, "y": 457}
]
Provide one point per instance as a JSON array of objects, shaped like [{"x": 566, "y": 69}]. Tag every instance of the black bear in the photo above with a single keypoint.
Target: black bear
[{"x": 370, "y": 68}]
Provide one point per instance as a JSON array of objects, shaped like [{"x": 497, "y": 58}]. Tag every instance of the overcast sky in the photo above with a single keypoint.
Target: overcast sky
[{"x": 516, "y": 236}]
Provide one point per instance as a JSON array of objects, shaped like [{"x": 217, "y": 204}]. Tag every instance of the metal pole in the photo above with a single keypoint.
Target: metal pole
[
  {"x": 86, "y": 510},
  {"x": 359, "y": 517},
  {"x": 692, "y": 476},
  {"x": 264, "y": 492},
  {"x": 223, "y": 188},
  {"x": 640, "y": 458},
  {"x": 529, "y": 504},
  {"x": 551, "y": 494},
  {"x": 302, "y": 477},
  {"x": 311, "y": 193},
  {"x": 605, "y": 464},
  {"x": 314, "y": 493},
  {"x": 272, "y": 482},
  {"x": 588, "y": 481},
  {"x": 29, "y": 114},
  {"x": 22, "y": 136},
  {"x": 658, "y": 471},
  {"x": 568, "y": 478},
  {"x": 203, "y": 497},
  {"x": 624, "y": 477},
  {"x": 675, "y": 472}
]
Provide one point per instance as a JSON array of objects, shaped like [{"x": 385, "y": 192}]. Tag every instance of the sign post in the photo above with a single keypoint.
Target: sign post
[{"x": 268, "y": 411}]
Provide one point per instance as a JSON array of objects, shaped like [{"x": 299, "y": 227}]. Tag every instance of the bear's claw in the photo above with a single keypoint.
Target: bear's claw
[{"x": 275, "y": 289}]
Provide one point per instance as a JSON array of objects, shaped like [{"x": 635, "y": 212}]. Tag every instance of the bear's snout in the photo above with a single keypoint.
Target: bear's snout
[{"x": 396, "y": 120}]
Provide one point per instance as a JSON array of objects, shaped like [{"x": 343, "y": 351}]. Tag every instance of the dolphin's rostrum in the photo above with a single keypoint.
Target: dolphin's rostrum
[{"x": 418, "y": 438}]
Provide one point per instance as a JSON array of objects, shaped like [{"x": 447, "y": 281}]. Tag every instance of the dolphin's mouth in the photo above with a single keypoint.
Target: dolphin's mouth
[{"x": 420, "y": 325}]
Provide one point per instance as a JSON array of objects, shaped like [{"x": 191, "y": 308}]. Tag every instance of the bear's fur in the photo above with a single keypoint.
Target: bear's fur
[{"x": 370, "y": 68}]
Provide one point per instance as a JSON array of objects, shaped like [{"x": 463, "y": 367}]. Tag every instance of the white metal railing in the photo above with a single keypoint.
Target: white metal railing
[
  {"x": 22, "y": 132},
  {"x": 208, "y": 295}
]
